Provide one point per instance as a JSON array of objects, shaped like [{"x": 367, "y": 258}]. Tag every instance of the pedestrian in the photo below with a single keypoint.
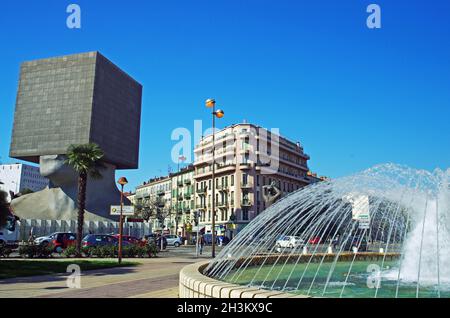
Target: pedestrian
[{"x": 201, "y": 243}]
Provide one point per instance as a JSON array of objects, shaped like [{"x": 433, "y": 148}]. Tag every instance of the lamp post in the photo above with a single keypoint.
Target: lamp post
[
  {"x": 211, "y": 103},
  {"x": 182, "y": 159},
  {"x": 122, "y": 181}
]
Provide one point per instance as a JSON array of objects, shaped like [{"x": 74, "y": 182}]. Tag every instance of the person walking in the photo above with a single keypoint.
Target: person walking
[{"x": 201, "y": 243}]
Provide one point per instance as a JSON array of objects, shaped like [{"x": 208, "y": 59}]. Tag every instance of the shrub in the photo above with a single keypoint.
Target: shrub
[
  {"x": 70, "y": 251},
  {"x": 130, "y": 251},
  {"x": 151, "y": 249},
  {"x": 141, "y": 251},
  {"x": 27, "y": 251},
  {"x": 87, "y": 251},
  {"x": 31, "y": 251},
  {"x": 5, "y": 251}
]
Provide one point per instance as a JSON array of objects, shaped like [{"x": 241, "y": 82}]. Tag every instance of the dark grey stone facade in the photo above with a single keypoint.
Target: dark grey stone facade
[{"x": 77, "y": 99}]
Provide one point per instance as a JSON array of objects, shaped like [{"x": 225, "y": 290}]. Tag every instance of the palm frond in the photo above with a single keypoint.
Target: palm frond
[{"x": 86, "y": 158}]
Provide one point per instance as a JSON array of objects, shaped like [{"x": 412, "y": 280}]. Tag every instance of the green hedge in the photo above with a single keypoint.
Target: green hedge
[
  {"x": 35, "y": 251},
  {"x": 131, "y": 251}
]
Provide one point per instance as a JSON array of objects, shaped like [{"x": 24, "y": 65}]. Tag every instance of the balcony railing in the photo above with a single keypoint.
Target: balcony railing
[
  {"x": 187, "y": 181},
  {"x": 187, "y": 196},
  {"x": 246, "y": 185},
  {"x": 246, "y": 202},
  {"x": 222, "y": 187},
  {"x": 180, "y": 183},
  {"x": 222, "y": 204},
  {"x": 202, "y": 190}
]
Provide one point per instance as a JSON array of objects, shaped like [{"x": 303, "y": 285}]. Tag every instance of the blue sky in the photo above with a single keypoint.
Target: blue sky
[{"x": 354, "y": 97}]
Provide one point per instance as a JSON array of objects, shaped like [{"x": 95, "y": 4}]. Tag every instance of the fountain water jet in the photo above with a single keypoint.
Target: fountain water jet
[{"x": 400, "y": 228}]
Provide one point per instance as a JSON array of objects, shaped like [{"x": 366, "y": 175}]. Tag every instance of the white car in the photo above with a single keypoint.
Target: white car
[
  {"x": 173, "y": 240},
  {"x": 289, "y": 242}
]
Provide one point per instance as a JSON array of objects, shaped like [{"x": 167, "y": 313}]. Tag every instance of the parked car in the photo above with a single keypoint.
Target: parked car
[
  {"x": 59, "y": 240},
  {"x": 289, "y": 242},
  {"x": 131, "y": 239},
  {"x": 315, "y": 240},
  {"x": 9, "y": 238},
  {"x": 91, "y": 240},
  {"x": 173, "y": 240},
  {"x": 359, "y": 242},
  {"x": 208, "y": 239}
]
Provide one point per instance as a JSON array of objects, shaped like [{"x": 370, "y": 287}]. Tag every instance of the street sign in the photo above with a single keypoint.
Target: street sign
[
  {"x": 360, "y": 209},
  {"x": 127, "y": 210}
]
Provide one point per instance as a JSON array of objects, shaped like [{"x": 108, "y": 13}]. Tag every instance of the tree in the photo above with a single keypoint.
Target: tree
[
  {"x": 85, "y": 159},
  {"x": 4, "y": 209},
  {"x": 7, "y": 217}
]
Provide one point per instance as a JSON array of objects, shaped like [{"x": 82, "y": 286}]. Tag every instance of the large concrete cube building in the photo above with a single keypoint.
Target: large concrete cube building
[
  {"x": 77, "y": 99},
  {"x": 74, "y": 99}
]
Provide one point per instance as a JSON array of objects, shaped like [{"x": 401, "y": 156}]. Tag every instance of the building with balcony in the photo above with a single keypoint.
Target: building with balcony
[
  {"x": 247, "y": 157},
  {"x": 155, "y": 195},
  {"x": 183, "y": 200}
]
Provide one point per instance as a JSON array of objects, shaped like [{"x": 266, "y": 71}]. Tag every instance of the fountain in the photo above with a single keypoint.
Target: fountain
[{"x": 383, "y": 232}]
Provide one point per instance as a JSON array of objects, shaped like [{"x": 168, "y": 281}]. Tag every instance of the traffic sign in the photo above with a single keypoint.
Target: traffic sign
[{"x": 127, "y": 210}]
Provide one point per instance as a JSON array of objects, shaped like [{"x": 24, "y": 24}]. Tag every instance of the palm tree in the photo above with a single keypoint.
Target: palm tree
[{"x": 85, "y": 160}]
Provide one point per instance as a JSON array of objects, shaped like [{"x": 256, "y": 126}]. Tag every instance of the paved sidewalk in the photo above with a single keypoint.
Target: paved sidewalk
[{"x": 156, "y": 277}]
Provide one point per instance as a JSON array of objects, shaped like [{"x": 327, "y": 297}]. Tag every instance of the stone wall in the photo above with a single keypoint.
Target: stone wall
[
  {"x": 193, "y": 284},
  {"x": 46, "y": 227}
]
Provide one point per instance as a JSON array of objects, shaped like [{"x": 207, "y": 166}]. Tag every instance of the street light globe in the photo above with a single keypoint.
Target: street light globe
[
  {"x": 219, "y": 113},
  {"x": 122, "y": 181},
  {"x": 210, "y": 102}
]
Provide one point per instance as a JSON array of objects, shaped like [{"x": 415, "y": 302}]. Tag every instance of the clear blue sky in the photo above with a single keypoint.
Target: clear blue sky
[{"x": 354, "y": 97}]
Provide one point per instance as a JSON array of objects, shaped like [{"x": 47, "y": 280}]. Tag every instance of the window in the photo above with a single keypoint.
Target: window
[
  {"x": 232, "y": 180},
  {"x": 245, "y": 178},
  {"x": 244, "y": 214}
]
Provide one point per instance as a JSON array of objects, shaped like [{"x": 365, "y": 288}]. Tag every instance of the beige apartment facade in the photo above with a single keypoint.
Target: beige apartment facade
[
  {"x": 247, "y": 158},
  {"x": 152, "y": 196}
]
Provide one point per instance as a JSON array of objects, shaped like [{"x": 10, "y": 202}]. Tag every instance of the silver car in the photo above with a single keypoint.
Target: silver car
[{"x": 173, "y": 240}]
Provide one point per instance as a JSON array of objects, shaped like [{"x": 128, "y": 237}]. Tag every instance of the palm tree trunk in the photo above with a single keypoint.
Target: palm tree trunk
[{"x": 82, "y": 182}]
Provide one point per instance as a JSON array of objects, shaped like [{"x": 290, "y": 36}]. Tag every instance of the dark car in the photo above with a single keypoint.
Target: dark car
[
  {"x": 131, "y": 239},
  {"x": 359, "y": 242},
  {"x": 91, "y": 240},
  {"x": 208, "y": 239}
]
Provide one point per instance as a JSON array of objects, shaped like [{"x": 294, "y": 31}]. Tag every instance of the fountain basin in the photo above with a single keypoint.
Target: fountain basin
[{"x": 194, "y": 283}]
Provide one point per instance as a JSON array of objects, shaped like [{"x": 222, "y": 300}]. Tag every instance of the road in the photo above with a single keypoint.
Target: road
[{"x": 154, "y": 278}]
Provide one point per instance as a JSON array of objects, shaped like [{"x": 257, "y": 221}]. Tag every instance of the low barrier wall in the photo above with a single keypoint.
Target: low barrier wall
[
  {"x": 46, "y": 227},
  {"x": 194, "y": 284}
]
